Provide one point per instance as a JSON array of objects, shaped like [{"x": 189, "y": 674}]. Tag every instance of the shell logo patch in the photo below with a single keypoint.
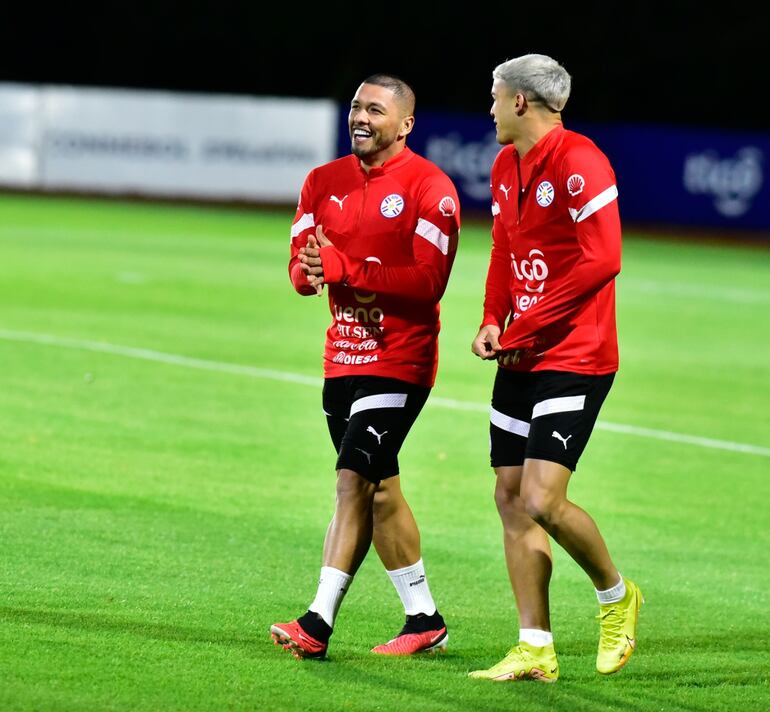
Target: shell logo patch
[
  {"x": 544, "y": 194},
  {"x": 447, "y": 206},
  {"x": 392, "y": 205},
  {"x": 575, "y": 184}
]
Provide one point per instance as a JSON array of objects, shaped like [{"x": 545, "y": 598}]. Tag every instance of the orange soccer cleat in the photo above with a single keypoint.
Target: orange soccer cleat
[
  {"x": 293, "y": 637},
  {"x": 420, "y": 634}
]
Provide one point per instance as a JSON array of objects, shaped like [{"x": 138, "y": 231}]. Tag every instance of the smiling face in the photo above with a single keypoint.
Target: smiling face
[{"x": 378, "y": 124}]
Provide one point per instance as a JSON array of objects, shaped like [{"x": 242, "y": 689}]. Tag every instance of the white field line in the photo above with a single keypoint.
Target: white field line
[{"x": 288, "y": 377}]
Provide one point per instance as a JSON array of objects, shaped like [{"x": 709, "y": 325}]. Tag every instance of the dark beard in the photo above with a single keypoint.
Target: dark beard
[
  {"x": 378, "y": 145},
  {"x": 361, "y": 152}
]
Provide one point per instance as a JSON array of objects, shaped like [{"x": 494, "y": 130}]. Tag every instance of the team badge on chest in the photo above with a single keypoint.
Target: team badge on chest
[
  {"x": 392, "y": 205},
  {"x": 544, "y": 194}
]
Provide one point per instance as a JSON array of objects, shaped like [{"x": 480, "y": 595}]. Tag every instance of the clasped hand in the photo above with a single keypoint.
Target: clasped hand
[{"x": 310, "y": 259}]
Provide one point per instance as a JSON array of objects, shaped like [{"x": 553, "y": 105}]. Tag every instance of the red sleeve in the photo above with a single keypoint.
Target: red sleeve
[
  {"x": 302, "y": 227},
  {"x": 434, "y": 246},
  {"x": 592, "y": 203},
  {"x": 497, "y": 295}
]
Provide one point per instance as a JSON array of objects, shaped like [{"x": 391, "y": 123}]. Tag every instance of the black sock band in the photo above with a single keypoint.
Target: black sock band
[
  {"x": 315, "y": 626},
  {"x": 423, "y": 622}
]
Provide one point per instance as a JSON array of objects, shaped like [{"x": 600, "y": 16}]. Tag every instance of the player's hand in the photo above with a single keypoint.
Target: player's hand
[
  {"x": 321, "y": 238},
  {"x": 310, "y": 259},
  {"x": 310, "y": 255},
  {"x": 486, "y": 345}
]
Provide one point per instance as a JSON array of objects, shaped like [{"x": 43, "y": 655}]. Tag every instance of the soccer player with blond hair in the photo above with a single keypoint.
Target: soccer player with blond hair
[{"x": 549, "y": 323}]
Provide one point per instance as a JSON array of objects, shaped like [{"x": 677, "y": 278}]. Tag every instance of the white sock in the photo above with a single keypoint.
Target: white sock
[
  {"x": 612, "y": 595},
  {"x": 413, "y": 590},
  {"x": 535, "y": 637},
  {"x": 332, "y": 587}
]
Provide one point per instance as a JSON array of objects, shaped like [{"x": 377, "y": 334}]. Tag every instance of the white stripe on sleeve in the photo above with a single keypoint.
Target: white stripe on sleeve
[
  {"x": 558, "y": 405},
  {"x": 595, "y": 204},
  {"x": 381, "y": 400},
  {"x": 505, "y": 422},
  {"x": 433, "y": 235},
  {"x": 307, "y": 220}
]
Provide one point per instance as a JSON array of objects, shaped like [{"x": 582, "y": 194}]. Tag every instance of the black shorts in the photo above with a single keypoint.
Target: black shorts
[
  {"x": 369, "y": 418},
  {"x": 544, "y": 415}
]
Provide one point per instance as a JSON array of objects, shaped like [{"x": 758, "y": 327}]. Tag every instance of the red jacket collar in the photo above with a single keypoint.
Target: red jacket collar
[
  {"x": 391, "y": 164},
  {"x": 543, "y": 146},
  {"x": 539, "y": 152}
]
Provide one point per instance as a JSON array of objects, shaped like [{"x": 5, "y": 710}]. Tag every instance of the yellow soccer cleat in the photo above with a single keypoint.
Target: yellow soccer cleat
[
  {"x": 617, "y": 634},
  {"x": 523, "y": 662}
]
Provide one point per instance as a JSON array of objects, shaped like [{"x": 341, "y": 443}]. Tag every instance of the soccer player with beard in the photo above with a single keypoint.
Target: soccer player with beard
[
  {"x": 379, "y": 228},
  {"x": 549, "y": 322}
]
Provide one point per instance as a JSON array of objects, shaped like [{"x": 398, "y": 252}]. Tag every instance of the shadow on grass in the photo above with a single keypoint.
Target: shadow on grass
[
  {"x": 441, "y": 682},
  {"x": 391, "y": 684},
  {"x": 156, "y": 631}
]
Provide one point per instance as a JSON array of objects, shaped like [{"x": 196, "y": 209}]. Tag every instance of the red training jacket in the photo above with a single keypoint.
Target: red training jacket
[
  {"x": 394, "y": 238},
  {"x": 556, "y": 243}
]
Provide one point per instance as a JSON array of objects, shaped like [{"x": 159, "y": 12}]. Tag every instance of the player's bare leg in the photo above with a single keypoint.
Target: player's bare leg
[
  {"x": 347, "y": 541},
  {"x": 532, "y": 500},
  {"x": 544, "y": 495},
  {"x": 396, "y": 536},
  {"x": 397, "y": 541},
  {"x": 528, "y": 556},
  {"x": 544, "y": 491},
  {"x": 527, "y": 551},
  {"x": 350, "y": 531}
]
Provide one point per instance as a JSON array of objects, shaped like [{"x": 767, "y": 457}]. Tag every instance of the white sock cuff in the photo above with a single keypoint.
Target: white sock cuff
[
  {"x": 612, "y": 595},
  {"x": 536, "y": 637},
  {"x": 411, "y": 584},
  {"x": 407, "y": 569},
  {"x": 331, "y": 571},
  {"x": 332, "y": 587}
]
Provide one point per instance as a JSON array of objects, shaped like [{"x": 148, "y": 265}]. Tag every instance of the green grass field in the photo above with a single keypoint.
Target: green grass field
[{"x": 166, "y": 479}]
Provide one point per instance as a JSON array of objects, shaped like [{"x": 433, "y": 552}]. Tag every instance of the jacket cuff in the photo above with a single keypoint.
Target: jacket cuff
[
  {"x": 299, "y": 280},
  {"x": 333, "y": 265},
  {"x": 490, "y": 320}
]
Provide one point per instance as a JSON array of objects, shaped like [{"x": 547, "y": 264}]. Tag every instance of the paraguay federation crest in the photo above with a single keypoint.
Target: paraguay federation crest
[
  {"x": 544, "y": 194},
  {"x": 392, "y": 205}
]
